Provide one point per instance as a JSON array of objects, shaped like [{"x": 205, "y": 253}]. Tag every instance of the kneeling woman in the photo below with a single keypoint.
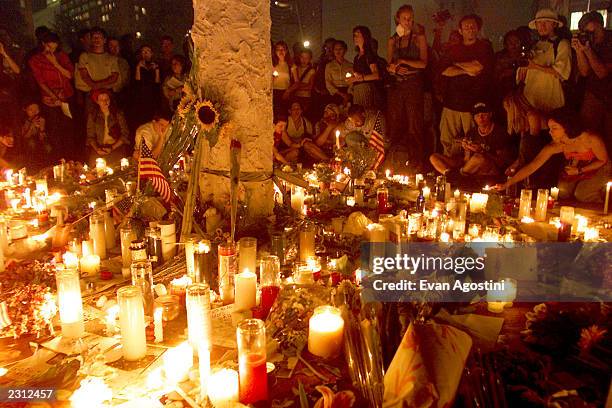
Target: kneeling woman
[
  {"x": 588, "y": 167},
  {"x": 107, "y": 131}
]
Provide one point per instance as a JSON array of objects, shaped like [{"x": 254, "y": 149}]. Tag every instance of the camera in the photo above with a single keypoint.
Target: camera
[
  {"x": 523, "y": 60},
  {"x": 584, "y": 37}
]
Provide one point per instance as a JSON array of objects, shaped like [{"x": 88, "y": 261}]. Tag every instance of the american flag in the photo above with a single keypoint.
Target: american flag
[
  {"x": 121, "y": 208},
  {"x": 149, "y": 169},
  {"x": 377, "y": 141}
]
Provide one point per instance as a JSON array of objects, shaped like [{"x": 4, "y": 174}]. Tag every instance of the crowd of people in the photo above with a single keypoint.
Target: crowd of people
[
  {"x": 454, "y": 106},
  {"x": 97, "y": 101},
  {"x": 457, "y": 107}
]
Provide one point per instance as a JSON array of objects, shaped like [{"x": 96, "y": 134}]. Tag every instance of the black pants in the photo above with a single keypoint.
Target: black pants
[
  {"x": 405, "y": 117},
  {"x": 61, "y": 133}
]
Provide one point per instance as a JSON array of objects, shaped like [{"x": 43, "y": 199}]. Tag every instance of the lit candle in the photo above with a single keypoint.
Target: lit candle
[
  {"x": 297, "y": 198},
  {"x": 378, "y": 233},
  {"x": 418, "y": 178},
  {"x": 275, "y": 73},
  {"x": 223, "y": 388},
  {"x": 70, "y": 303},
  {"x": 388, "y": 174},
  {"x": 126, "y": 235},
  {"x": 86, "y": 248},
  {"x": 580, "y": 224},
  {"x": 177, "y": 362},
  {"x": 92, "y": 392},
  {"x": 350, "y": 201},
  {"x": 100, "y": 166},
  {"x": 71, "y": 261},
  {"x": 251, "y": 341},
  {"x": 198, "y": 314},
  {"x": 307, "y": 241},
  {"x": 132, "y": 322},
  {"x": 456, "y": 194},
  {"x": 525, "y": 204},
  {"x": 28, "y": 198},
  {"x": 510, "y": 290},
  {"x": 608, "y": 185},
  {"x": 337, "y": 139},
  {"x": 246, "y": 290},
  {"x": 158, "y": 325},
  {"x": 541, "y": 205},
  {"x": 111, "y": 319},
  {"x": 125, "y": 163},
  {"x": 426, "y": 192},
  {"x": 109, "y": 230},
  {"x": 527, "y": 220},
  {"x": 90, "y": 265},
  {"x": 325, "y": 331},
  {"x": 348, "y": 75},
  {"x": 474, "y": 230},
  {"x": 247, "y": 254},
  {"x": 444, "y": 237},
  {"x": 566, "y": 218},
  {"x": 478, "y": 202},
  {"x": 203, "y": 262},
  {"x": 41, "y": 185},
  {"x": 554, "y": 193},
  {"x": 495, "y": 306},
  {"x": 591, "y": 234},
  {"x": 190, "y": 244}
]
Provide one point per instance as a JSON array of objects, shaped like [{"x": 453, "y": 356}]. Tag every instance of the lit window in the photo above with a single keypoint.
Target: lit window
[
  {"x": 136, "y": 8},
  {"x": 137, "y": 17},
  {"x": 138, "y": 34},
  {"x": 144, "y": 11}
]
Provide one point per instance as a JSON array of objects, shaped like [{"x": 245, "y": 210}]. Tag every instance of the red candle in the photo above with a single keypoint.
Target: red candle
[
  {"x": 382, "y": 195},
  {"x": 253, "y": 378}
]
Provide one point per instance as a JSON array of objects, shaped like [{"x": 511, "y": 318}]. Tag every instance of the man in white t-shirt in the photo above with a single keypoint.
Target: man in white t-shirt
[
  {"x": 97, "y": 68},
  {"x": 154, "y": 133}
]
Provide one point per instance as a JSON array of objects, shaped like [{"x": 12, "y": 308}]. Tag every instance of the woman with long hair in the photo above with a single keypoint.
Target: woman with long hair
[
  {"x": 587, "y": 167},
  {"x": 107, "y": 130},
  {"x": 281, "y": 77},
  {"x": 147, "y": 85},
  {"x": 365, "y": 70},
  {"x": 407, "y": 57}
]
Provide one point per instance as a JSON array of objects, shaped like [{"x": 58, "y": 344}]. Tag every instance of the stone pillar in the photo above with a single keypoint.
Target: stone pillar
[{"x": 232, "y": 40}]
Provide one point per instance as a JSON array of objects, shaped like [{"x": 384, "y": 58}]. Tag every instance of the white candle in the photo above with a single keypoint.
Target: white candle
[
  {"x": 223, "y": 388},
  {"x": 90, "y": 265},
  {"x": 418, "y": 178},
  {"x": 247, "y": 254},
  {"x": 132, "y": 322},
  {"x": 325, "y": 331},
  {"x": 71, "y": 261},
  {"x": 41, "y": 185},
  {"x": 444, "y": 237},
  {"x": 297, "y": 199},
  {"x": 100, "y": 166},
  {"x": 97, "y": 232},
  {"x": 204, "y": 367},
  {"x": 474, "y": 230},
  {"x": 337, "y": 139},
  {"x": 189, "y": 255},
  {"x": 378, "y": 233},
  {"x": 591, "y": 234},
  {"x": 608, "y": 185},
  {"x": 158, "y": 326},
  {"x": 70, "y": 303},
  {"x": 456, "y": 194},
  {"x": 246, "y": 290},
  {"x": 28, "y": 198},
  {"x": 478, "y": 202},
  {"x": 426, "y": 192},
  {"x": 350, "y": 201},
  {"x": 125, "y": 163},
  {"x": 495, "y": 307},
  {"x": 388, "y": 174},
  {"x": 177, "y": 362},
  {"x": 580, "y": 224},
  {"x": 109, "y": 230},
  {"x": 111, "y": 320},
  {"x": 86, "y": 248}
]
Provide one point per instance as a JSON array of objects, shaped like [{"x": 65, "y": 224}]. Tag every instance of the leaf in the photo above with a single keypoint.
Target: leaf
[{"x": 303, "y": 397}]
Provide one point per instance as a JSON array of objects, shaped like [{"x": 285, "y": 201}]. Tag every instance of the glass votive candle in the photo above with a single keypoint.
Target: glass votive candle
[
  {"x": 169, "y": 305},
  {"x": 474, "y": 230}
]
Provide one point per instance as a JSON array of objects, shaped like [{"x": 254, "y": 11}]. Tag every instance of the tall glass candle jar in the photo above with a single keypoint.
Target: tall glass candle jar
[
  {"x": 70, "y": 303},
  {"x": 525, "y": 204},
  {"x": 269, "y": 279},
  {"x": 307, "y": 241},
  {"x": 198, "y": 315},
  {"x": 382, "y": 197},
  {"x": 138, "y": 250},
  {"x": 142, "y": 277},
  {"x": 190, "y": 245},
  {"x": 253, "y": 376},
  {"x": 168, "y": 238},
  {"x": 97, "y": 232},
  {"x": 541, "y": 205},
  {"x": 132, "y": 323},
  {"x": 247, "y": 254},
  {"x": 228, "y": 265},
  {"x": 277, "y": 245},
  {"x": 203, "y": 263},
  {"x": 566, "y": 216},
  {"x": 127, "y": 235}
]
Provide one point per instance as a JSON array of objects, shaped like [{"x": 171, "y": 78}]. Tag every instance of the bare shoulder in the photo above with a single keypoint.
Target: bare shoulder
[
  {"x": 553, "y": 148},
  {"x": 591, "y": 138}
]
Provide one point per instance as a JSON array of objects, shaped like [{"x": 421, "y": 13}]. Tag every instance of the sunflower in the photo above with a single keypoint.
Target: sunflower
[
  {"x": 184, "y": 105},
  {"x": 207, "y": 115}
]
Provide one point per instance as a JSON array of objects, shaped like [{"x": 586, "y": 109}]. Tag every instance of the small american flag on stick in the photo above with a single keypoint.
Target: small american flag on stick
[
  {"x": 377, "y": 141},
  {"x": 148, "y": 169}
]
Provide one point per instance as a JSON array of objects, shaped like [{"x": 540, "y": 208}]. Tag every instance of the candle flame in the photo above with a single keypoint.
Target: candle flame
[
  {"x": 203, "y": 247},
  {"x": 527, "y": 220},
  {"x": 93, "y": 391}
]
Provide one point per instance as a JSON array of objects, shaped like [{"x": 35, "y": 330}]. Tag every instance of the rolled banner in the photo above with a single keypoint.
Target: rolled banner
[{"x": 427, "y": 367}]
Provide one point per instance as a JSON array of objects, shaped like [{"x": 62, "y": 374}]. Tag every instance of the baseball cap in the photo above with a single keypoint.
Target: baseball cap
[{"x": 481, "y": 107}]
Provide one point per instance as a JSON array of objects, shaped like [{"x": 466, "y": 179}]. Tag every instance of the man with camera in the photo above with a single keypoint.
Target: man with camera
[{"x": 593, "y": 45}]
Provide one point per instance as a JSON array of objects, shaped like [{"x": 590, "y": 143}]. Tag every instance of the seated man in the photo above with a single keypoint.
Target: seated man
[
  {"x": 325, "y": 129},
  {"x": 7, "y": 143},
  {"x": 153, "y": 133},
  {"x": 362, "y": 121},
  {"x": 486, "y": 150}
]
